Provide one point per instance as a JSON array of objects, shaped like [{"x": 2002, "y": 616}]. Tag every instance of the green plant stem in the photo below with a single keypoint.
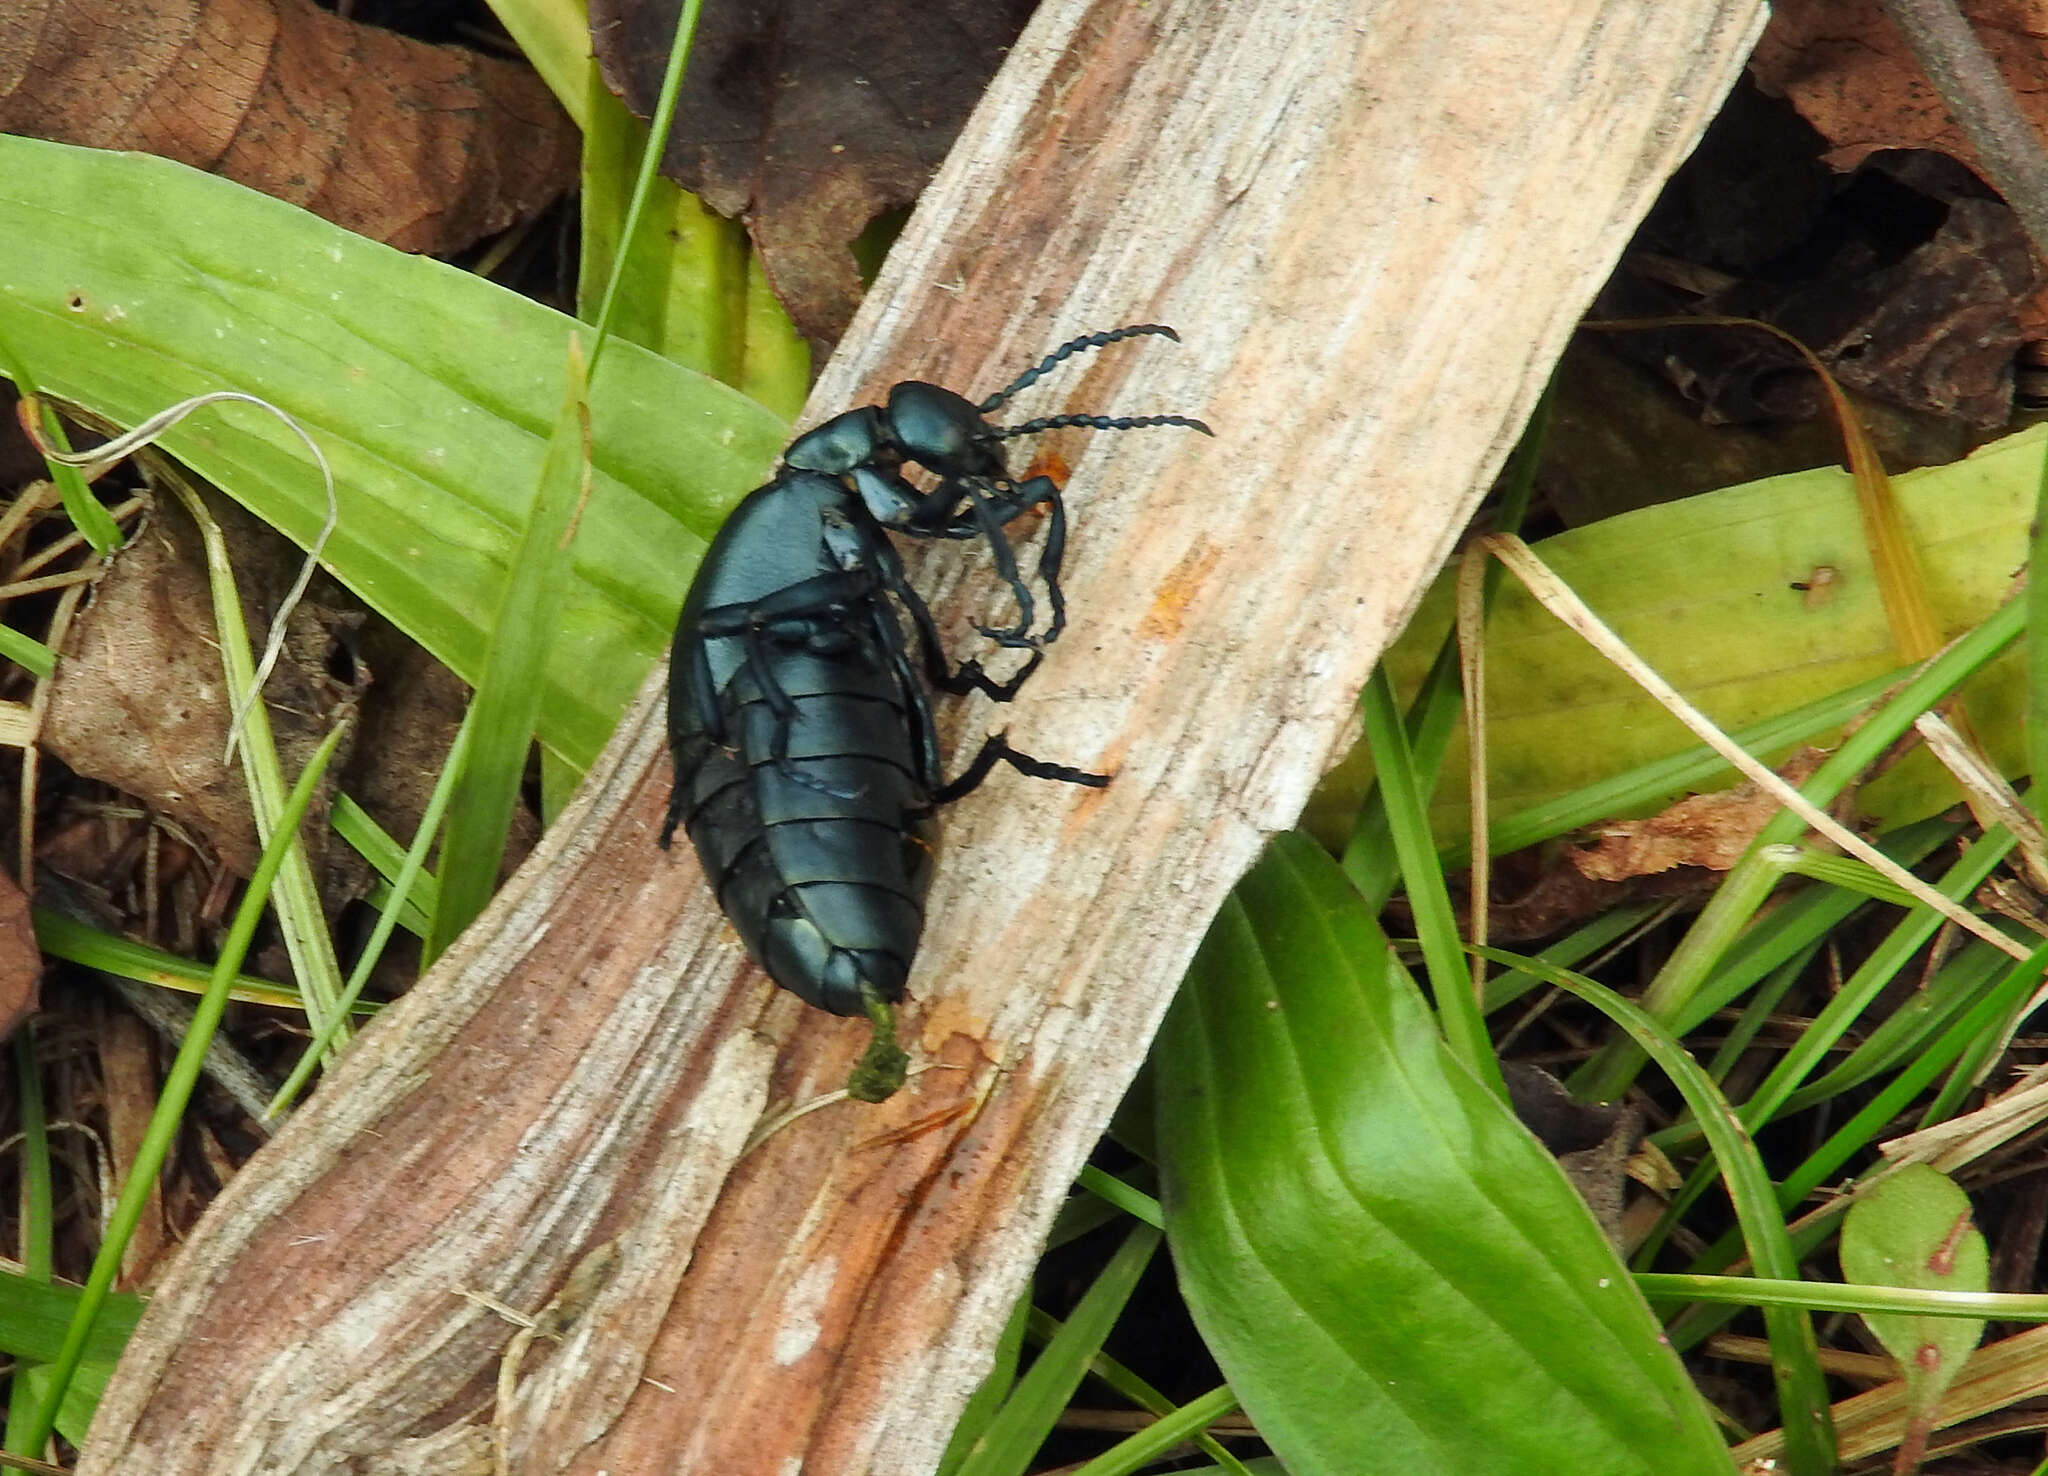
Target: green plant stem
[
  {"x": 1436, "y": 925},
  {"x": 1829, "y": 1296},
  {"x": 183, "y": 1076}
]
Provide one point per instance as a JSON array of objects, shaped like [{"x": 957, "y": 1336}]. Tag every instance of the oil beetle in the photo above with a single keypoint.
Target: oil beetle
[{"x": 807, "y": 771}]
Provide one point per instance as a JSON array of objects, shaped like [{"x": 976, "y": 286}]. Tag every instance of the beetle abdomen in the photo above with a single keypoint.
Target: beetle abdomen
[{"x": 824, "y": 880}]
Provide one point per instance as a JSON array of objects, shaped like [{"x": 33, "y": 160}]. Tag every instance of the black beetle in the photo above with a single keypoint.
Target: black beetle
[{"x": 807, "y": 769}]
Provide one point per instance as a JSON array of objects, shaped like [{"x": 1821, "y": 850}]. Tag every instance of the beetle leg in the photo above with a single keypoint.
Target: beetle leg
[
  {"x": 968, "y": 676},
  {"x": 931, "y": 768},
  {"x": 756, "y": 626},
  {"x": 782, "y": 707},
  {"x": 998, "y": 750},
  {"x": 821, "y": 594},
  {"x": 1019, "y": 499},
  {"x": 985, "y": 512},
  {"x": 702, "y": 695}
]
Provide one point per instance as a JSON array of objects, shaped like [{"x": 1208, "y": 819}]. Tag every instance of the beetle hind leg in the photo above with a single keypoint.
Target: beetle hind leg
[{"x": 997, "y": 750}]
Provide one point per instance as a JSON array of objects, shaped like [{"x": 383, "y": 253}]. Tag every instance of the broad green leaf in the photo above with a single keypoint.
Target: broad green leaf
[
  {"x": 1703, "y": 589},
  {"x": 33, "y": 1317},
  {"x": 1392, "y": 1273},
  {"x": 138, "y": 282},
  {"x": 1913, "y": 1229}
]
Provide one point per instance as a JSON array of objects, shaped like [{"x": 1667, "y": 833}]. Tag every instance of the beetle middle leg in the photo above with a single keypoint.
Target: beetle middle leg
[{"x": 968, "y": 676}]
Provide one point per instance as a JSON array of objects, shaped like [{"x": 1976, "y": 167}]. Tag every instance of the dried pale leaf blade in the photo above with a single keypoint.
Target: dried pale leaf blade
[
  {"x": 429, "y": 390},
  {"x": 809, "y": 120},
  {"x": 1339, "y": 1192},
  {"x": 426, "y": 148},
  {"x": 1914, "y": 1230}
]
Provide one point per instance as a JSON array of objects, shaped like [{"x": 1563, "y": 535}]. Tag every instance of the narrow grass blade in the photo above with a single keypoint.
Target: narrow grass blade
[
  {"x": 177, "y": 1093},
  {"x": 1020, "y": 1427},
  {"x": 1795, "y": 1359}
]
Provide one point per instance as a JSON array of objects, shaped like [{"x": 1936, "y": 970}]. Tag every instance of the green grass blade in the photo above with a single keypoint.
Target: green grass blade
[
  {"x": 179, "y": 1082},
  {"x": 1173, "y": 1426},
  {"x": 983, "y": 1404},
  {"x": 34, "y": 1316},
  {"x": 75, "y": 942},
  {"x": 37, "y": 1207},
  {"x": 507, "y": 705},
  {"x": 1020, "y": 1427},
  {"x": 300, "y": 917},
  {"x": 26, "y": 652},
  {"x": 411, "y": 868},
  {"x": 375, "y": 845},
  {"x": 1405, "y": 798},
  {"x": 1136, "y": 1203},
  {"x": 1795, "y": 1355},
  {"x": 1826, "y": 1296}
]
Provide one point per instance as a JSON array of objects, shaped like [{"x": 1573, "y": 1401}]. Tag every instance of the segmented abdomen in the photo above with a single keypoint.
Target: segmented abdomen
[{"x": 826, "y": 888}]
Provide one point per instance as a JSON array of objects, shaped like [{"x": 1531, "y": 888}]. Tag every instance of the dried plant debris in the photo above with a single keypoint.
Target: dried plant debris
[
  {"x": 21, "y": 964},
  {"x": 1850, "y": 73},
  {"x": 1910, "y": 287},
  {"x": 1706, "y": 830},
  {"x": 426, "y": 148},
  {"x": 1592, "y": 1144},
  {"x": 139, "y": 700},
  {"x": 1852, "y": 76},
  {"x": 808, "y": 121}
]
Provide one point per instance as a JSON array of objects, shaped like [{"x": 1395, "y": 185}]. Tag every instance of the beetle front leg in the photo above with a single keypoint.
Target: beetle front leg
[
  {"x": 984, "y": 510},
  {"x": 1019, "y": 499}
]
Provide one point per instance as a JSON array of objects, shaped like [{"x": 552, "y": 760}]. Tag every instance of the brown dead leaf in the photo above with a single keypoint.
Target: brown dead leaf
[
  {"x": 810, "y": 119},
  {"x": 1591, "y": 1143},
  {"x": 1936, "y": 331},
  {"x": 1704, "y": 830},
  {"x": 1850, "y": 73},
  {"x": 21, "y": 962},
  {"x": 128, "y": 1075},
  {"x": 1848, "y": 70},
  {"x": 139, "y": 701},
  {"x": 426, "y": 148}
]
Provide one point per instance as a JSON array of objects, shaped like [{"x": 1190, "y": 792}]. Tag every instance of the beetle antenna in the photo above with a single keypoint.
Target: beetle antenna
[
  {"x": 1032, "y": 375},
  {"x": 1095, "y": 422}
]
